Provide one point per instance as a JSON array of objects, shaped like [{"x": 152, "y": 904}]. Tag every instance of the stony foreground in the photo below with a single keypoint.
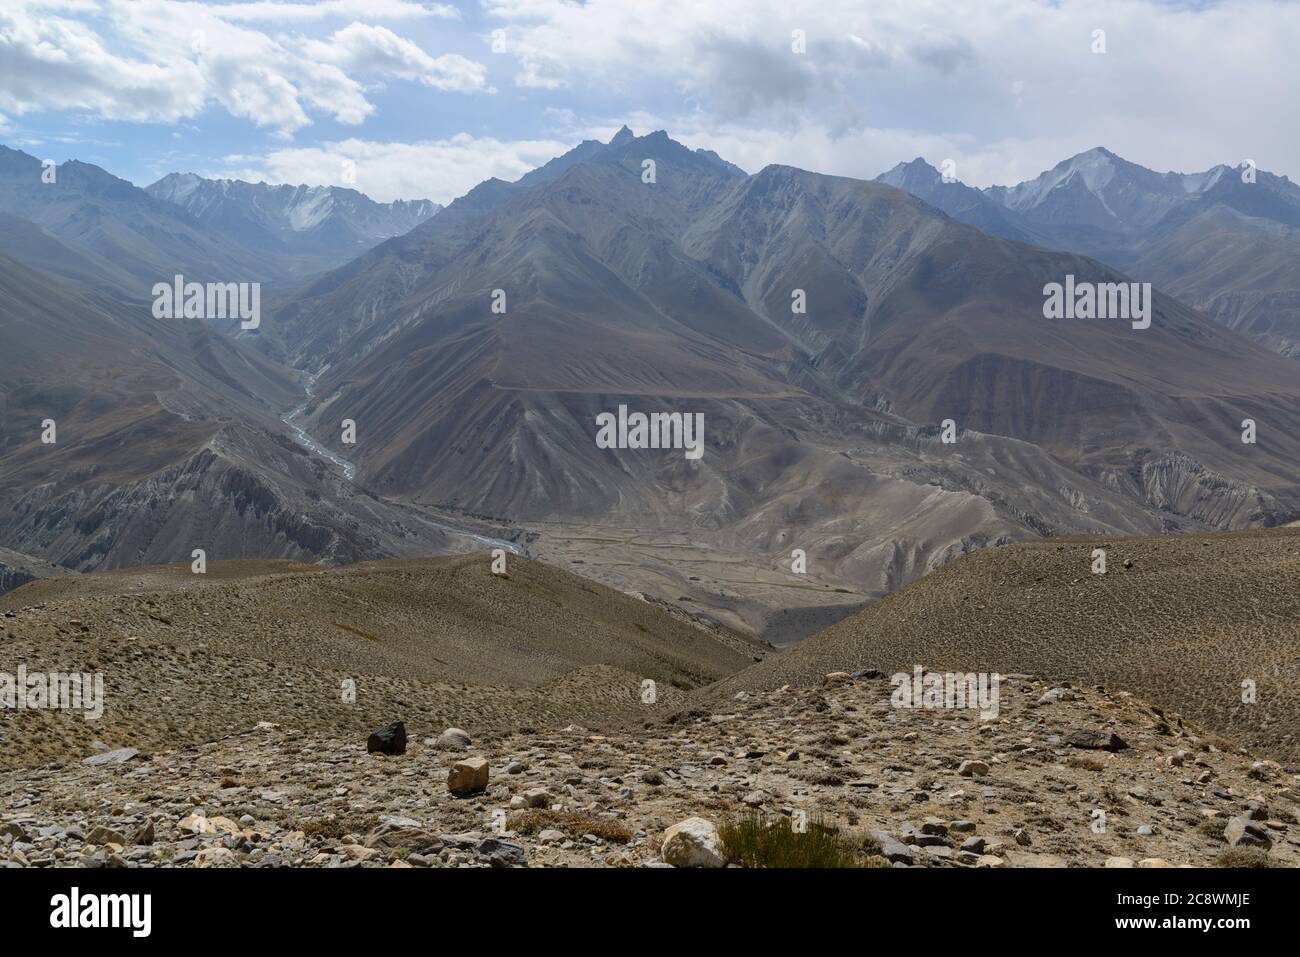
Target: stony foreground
[{"x": 919, "y": 787}]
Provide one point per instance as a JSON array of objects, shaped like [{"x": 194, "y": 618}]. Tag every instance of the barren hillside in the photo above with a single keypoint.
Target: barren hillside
[
  {"x": 1181, "y": 620},
  {"x": 190, "y": 657}
]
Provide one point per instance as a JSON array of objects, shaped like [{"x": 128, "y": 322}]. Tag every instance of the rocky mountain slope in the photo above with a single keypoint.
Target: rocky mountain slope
[
  {"x": 1207, "y": 625},
  {"x": 903, "y": 787},
  {"x": 920, "y": 406},
  {"x": 167, "y": 436}
]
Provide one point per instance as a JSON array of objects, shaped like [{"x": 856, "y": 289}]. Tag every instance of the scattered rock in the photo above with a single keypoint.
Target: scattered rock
[
  {"x": 1243, "y": 832},
  {"x": 116, "y": 756},
  {"x": 893, "y": 849},
  {"x": 468, "y": 776},
  {"x": 693, "y": 842},
  {"x": 453, "y": 739},
  {"x": 15, "y": 831},
  {"x": 390, "y": 739},
  {"x": 501, "y": 853},
  {"x": 216, "y": 857},
  {"x": 1096, "y": 741},
  {"x": 537, "y": 797},
  {"x": 105, "y": 835}
]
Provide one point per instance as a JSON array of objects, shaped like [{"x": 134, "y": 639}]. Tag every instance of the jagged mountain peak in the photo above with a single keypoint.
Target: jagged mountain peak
[
  {"x": 915, "y": 173},
  {"x": 335, "y": 222}
]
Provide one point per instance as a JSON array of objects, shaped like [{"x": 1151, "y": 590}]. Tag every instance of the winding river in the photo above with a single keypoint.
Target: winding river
[{"x": 349, "y": 471}]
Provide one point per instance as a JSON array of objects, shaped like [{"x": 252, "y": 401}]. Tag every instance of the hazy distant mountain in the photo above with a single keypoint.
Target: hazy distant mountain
[
  {"x": 822, "y": 427},
  {"x": 117, "y": 234},
  {"x": 1099, "y": 188},
  {"x": 167, "y": 436},
  {"x": 329, "y": 224},
  {"x": 958, "y": 200},
  {"x": 1214, "y": 240}
]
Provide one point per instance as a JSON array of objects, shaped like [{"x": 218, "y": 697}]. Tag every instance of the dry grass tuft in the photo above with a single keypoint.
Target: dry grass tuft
[
  {"x": 757, "y": 841},
  {"x": 1243, "y": 857},
  {"x": 573, "y": 823}
]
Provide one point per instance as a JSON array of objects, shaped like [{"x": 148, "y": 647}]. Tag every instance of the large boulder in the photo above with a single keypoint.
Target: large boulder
[
  {"x": 390, "y": 739},
  {"x": 1243, "y": 832},
  {"x": 693, "y": 842},
  {"x": 467, "y": 776}
]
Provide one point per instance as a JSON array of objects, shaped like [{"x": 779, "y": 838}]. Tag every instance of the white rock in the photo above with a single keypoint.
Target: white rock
[
  {"x": 453, "y": 739},
  {"x": 693, "y": 842}
]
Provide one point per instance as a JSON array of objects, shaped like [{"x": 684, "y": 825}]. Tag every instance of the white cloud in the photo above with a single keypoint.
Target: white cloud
[
  {"x": 1006, "y": 88},
  {"x": 47, "y": 62},
  {"x": 440, "y": 170},
  {"x": 364, "y": 48},
  {"x": 370, "y": 9},
  {"x": 1009, "y": 86},
  {"x": 164, "y": 61}
]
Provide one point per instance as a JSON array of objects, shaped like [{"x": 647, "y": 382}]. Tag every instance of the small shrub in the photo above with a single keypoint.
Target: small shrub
[
  {"x": 1213, "y": 827},
  {"x": 755, "y": 841},
  {"x": 1243, "y": 857},
  {"x": 337, "y": 828},
  {"x": 1086, "y": 762}
]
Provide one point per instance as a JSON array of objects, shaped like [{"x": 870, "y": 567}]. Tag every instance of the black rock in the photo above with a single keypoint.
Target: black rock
[
  {"x": 390, "y": 739},
  {"x": 501, "y": 853},
  {"x": 871, "y": 673}
]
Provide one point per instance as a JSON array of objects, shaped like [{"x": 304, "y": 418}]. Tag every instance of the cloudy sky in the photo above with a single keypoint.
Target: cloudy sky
[{"x": 428, "y": 99}]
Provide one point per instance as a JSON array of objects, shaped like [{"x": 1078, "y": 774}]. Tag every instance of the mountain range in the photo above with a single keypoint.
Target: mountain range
[
  {"x": 1225, "y": 241},
  {"x": 327, "y": 225},
  {"x": 880, "y": 389},
  {"x": 80, "y": 222}
]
